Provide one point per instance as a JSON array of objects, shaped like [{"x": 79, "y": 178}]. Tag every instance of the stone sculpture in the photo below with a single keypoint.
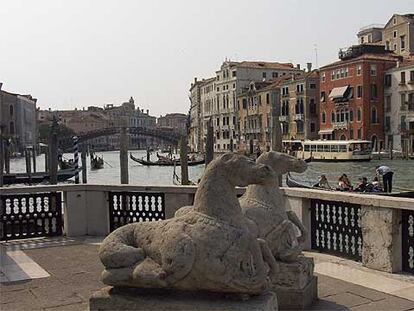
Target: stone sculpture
[
  {"x": 207, "y": 248},
  {"x": 268, "y": 210}
]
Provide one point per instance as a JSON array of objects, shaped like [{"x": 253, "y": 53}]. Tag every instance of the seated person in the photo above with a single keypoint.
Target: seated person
[
  {"x": 323, "y": 183},
  {"x": 376, "y": 185},
  {"x": 363, "y": 184},
  {"x": 344, "y": 184}
]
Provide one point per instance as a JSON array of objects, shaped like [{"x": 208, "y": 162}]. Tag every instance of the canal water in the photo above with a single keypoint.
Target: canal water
[{"x": 155, "y": 175}]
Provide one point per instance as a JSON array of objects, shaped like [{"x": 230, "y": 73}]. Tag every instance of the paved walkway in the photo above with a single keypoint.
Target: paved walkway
[{"x": 74, "y": 270}]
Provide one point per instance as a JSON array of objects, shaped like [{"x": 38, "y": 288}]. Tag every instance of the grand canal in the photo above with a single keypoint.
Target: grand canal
[{"x": 142, "y": 175}]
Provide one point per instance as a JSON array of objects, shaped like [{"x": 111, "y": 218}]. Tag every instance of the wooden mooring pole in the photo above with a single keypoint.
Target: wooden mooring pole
[
  {"x": 34, "y": 158},
  {"x": 209, "y": 143},
  {"x": 184, "y": 160},
  {"x": 84, "y": 165},
  {"x": 6, "y": 147},
  {"x": 1, "y": 157},
  {"x": 123, "y": 156},
  {"x": 53, "y": 157}
]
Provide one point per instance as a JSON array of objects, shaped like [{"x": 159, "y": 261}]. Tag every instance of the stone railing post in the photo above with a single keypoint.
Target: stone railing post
[
  {"x": 302, "y": 208},
  {"x": 381, "y": 235},
  {"x": 86, "y": 213}
]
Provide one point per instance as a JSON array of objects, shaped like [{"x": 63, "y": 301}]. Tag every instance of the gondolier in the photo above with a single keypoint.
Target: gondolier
[{"x": 386, "y": 174}]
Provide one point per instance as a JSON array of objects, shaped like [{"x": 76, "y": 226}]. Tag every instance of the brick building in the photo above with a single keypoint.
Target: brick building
[
  {"x": 177, "y": 121},
  {"x": 352, "y": 94}
]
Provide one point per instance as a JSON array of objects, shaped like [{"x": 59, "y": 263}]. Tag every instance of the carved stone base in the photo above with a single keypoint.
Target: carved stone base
[
  {"x": 109, "y": 299},
  {"x": 295, "y": 285}
]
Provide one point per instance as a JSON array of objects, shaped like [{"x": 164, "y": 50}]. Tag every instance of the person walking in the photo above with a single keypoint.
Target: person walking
[{"x": 386, "y": 174}]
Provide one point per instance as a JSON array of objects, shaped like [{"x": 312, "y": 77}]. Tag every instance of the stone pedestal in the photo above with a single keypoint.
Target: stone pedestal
[
  {"x": 295, "y": 285},
  {"x": 109, "y": 299}
]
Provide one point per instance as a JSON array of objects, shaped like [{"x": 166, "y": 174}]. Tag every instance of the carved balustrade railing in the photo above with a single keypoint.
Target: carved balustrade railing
[
  {"x": 30, "y": 215},
  {"x": 407, "y": 218}
]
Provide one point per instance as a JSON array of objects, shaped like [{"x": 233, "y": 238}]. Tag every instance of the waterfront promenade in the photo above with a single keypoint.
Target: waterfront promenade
[{"x": 62, "y": 273}]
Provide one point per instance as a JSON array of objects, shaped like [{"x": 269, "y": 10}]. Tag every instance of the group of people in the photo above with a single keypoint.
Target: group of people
[{"x": 344, "y": 184}]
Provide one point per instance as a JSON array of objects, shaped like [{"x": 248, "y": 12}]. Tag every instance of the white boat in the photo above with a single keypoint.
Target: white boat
[{"x": 335, "y": 150}]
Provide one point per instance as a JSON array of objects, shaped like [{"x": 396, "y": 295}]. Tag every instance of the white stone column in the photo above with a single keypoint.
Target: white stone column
[{"x": 302, "y": 208}]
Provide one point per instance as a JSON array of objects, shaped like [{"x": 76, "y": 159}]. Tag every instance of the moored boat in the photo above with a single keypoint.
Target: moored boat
[
  {"x": 164, "y": 162},
  {"x": 36, "y": 178}
]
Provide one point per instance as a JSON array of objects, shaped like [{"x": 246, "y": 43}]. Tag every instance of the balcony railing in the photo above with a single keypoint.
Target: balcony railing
[
  {"x": 299, "y": 117},
  {"x": 283, "y": 118},
  {"x": 340, "y": 125}
]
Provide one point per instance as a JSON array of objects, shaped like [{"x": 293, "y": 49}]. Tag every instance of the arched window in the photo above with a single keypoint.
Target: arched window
[
  {"x": 374, "y": 116},
  {"x": 359, "y": 114},
  {"x": 343, "y": 137},
  {"x": 323, "y": 117},
  {"x": 333, "y": 117},
  {"x": 351, "y": 115},
  {"x": 11, "y": 110},
  {"x": 11, "y": 128},
  {"x": 301, "y": 107}
]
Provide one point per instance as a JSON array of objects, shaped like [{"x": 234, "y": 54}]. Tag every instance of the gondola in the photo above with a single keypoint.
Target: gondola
[
  {"x": 164, "y": 163},
  {"x": 37, "y": 178},
  {"x": 290, "y": 182}
]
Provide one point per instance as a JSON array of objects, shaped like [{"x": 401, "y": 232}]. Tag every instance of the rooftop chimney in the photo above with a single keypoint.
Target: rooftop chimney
[
  {"x": 147, "y": 111},
  {"x": 195, "y": 80},
  {"x": 298, "y": 66},
  {"x": 309, "y": 66}
]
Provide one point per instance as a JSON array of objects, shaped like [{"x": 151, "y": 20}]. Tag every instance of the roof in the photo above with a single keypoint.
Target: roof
[
  {"x": 408, "y": 17},
  {"x": 265, "y": 65},
  {"x": 375, "y": 57},
  {"x": 208, "y": 80}
]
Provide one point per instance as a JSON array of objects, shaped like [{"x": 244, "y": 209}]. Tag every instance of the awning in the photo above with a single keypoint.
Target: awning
[
  {"x": 338, "y": 92},
  {"x": 328, "y": 131}
]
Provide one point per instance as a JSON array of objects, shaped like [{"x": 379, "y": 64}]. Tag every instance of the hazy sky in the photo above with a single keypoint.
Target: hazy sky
[{"x": 77, "y": 53}]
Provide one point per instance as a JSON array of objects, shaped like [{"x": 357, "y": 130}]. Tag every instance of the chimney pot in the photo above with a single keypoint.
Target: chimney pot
[
  {"x": 147, "y": 111},
  {"x": 309, "y": 65},
  {"x": 297, "y": 66}
]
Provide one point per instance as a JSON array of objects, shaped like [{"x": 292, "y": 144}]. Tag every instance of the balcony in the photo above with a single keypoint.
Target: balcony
[
  {"x": 299, "y": 117},
  {"x": 283, "y": 118},
  {"x": 340, "y": 125}
]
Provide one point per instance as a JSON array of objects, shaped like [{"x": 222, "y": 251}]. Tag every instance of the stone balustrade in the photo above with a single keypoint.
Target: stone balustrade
[{"x": 369, "y": 228}]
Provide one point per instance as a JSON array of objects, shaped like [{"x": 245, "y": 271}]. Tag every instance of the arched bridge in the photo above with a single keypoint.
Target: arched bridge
[{"x": 166, "y": 134}]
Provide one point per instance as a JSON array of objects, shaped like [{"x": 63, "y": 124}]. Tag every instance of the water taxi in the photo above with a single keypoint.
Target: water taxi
[{"x": 335, "y": 150}]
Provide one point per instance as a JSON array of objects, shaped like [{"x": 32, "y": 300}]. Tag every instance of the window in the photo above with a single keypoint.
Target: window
[
  {"x": 264, "y": 75},
  {"x": 333, "y": 75},
  {"x": 374, "y": 116},
  {"x": 402, "y": 43},
  {"x": 387, "y": 103},
  {"x": 359, "y": 70},
  {"x": 402, "y": 81},
  {"x": 275, "y": 74},
  {"x": 323, "y": 99},
  {"x": 333, "y": 117},
  {"x": 374, "y": 91},
  {"x": 359, "y": 91},
  {"x": 234, "y": 120},
  {"x": 373, "y": 70},
  {"x": 412, "y": 76},
  {"x": 312, "y": 127},
  {"x": 395, "y": 47},
  {"x": 312, "y": 86},
  {"x": 312, "y": 106},
  {"x": 402, "y": 100},
  {"x": 359, "y": 133},
  {"x": 244, "y": 103},
  {"x": 387, "y": 81},
  {"x": 299, "y": 126},
  {"x": 359, "y": 115},
  {"x": 234, "y": 73},
  {"x": 387, "y": 123},
  {"x": 351, "y": 115},
  {"x": 11, "y": 110},
  {"x": 395, "y": 34},
  {"x": 323, "y": 117},
  {"x": 403, "y": 124},
  {"x": 323, "y": 76},
  {"x": 267, "y": 98}
]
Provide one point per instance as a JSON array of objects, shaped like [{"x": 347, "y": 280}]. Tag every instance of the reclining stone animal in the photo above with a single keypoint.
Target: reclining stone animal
[
  {"x": 209, "y": 248},
  {"x": 268, "y": 210}
]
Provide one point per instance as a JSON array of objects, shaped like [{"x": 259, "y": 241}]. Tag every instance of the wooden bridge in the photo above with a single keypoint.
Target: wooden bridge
[{"x": 166, "y": 134}]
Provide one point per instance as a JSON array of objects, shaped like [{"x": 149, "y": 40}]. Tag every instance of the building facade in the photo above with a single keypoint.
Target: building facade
[
  {"x": 299, "y": 106},
  {"x": 177, "y": 121},
  {"x": 399, "y": 107},
  {"x": 396, "y": 35},
  {"x": 195, "y": 128},
  {"x": 352, "y": 94},
  {"x": 18, "y": 120}
]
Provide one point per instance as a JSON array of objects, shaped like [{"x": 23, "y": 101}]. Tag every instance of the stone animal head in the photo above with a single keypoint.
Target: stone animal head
[
  {"x": 241, "y": 170},
  {"x": 282, "y": 163}
]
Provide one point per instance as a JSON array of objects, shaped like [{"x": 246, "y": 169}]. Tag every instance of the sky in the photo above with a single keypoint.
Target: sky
[{"x": 81, "y": 53}]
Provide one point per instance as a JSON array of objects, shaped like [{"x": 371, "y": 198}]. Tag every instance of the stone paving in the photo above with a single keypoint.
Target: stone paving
[{"x": 74, "y": 270}]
